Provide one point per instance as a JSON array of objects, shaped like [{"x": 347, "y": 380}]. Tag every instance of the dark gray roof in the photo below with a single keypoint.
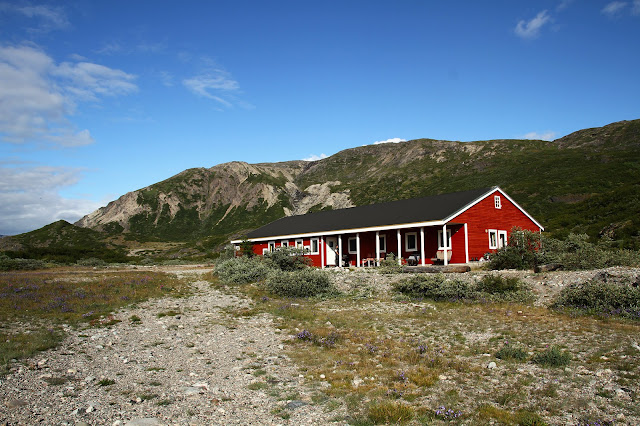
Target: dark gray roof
[{"x": 414, "y": 210}]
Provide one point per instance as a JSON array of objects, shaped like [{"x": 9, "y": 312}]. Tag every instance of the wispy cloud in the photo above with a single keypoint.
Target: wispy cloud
[
  {"x": 30, "y": 197},
  {"x": 392, "y": 140},
  {"x": 49, "y": 17},
  {"x": 215, "y": 84},
  {"x": 531, "y": 29},
  {"x": 544, "y": 136},
  {"x": 315, "y": 157},
  {"x": 38, "y": 96},
  {"x": 614, "y": 8}
]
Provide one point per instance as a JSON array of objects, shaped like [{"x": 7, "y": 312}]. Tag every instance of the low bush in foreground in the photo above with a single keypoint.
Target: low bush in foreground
[
  {"x": 440, "y": 288},
  {"x": 241, "y": 270},
  {"x": 602, "y": 295},
  {"x": 302, "y": 283},
  {"x": 552, "y": 357}
]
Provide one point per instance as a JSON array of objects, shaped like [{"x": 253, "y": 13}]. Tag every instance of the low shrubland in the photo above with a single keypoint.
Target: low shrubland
[
  {"x": 527, "y": 250},
  {"x": 439, "y": 287},
  {"x": 285, "y": 272}
]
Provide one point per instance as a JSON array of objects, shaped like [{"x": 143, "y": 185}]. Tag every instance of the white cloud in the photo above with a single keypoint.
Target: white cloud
[
  {"x": 544, "y": 136},
  {"x": 392, "y": 140},
  {"x": 315, "y": 157},
  {"x": 215, "y": 84},
  {"x": 30, "y": 198},
  {"x": 531, "y": 29},
  {"x": 49, "y": 17},
  {"x": 37, "y": 96},
  {"x": 614, "y": 8},
  {"x": 635, "y": 9}
]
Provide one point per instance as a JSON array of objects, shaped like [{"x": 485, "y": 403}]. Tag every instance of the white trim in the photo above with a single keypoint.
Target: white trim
[
  {"x": 317, "y": 240},
  {"x": 447, "y": 244},
  {"x": 284, "y": 243},
  {"x": 355, "y": 251},
  {"x": 378, "y": 247},
  {"x": 339, "y": 251},
  {"x": 271, "y": 244},
  {"x": 323, "y": 251},
  {"x": 300, "y": 243},
  {"x": 493, "y": 232},
  {"x": 384, "y": 238},
  {"x": 399, "y": 240},
  {"x": 406, "y": 241},
  {"x": 446, "y": 233},
  {"x": 466, "y": 243},
  {"x": 358, "y": 249},
  {"x": 422, "y": 261},
  {"x": 500, "y": 240}
]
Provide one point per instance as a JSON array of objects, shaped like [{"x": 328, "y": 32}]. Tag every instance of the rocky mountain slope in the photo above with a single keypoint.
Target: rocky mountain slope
[{"x": 584, "y": 182}]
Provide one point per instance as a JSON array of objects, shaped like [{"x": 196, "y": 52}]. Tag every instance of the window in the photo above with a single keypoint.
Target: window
[
  {"x": 265, "y": 251},
  {"x": 383, "y": 243},
  {"x": 497, "y": 202},
  {"x": 441, "y": 242},
  {"x": 493, "y": 239},
  {"x": 315, "y": 246},
  {"x": 353, "y": 245},
  {"x": 502, "y": 239},
  {"x": 272, "y": 246},
  {"x": 299, "y": 244},
  {"x": 284, "y": 244},
  {"x": 411, "y": 241}
]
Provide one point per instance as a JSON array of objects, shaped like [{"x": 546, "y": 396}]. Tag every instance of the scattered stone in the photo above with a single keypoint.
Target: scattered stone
[
  {"x": 492, "y": 365},
  {"x": 147, "y": 421},
  {"x": 292, "y": 405}
]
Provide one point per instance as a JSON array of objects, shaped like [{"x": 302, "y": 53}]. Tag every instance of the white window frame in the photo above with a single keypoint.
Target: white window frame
[
  {"x": 316, "y": 242},
  {"x": 500, "y": 240},
  {"x": 355, "y": 245},
  {"x": 265, "y": 250},
  {"x": 493, "y": 239},
  {"x": 406, "y": 241},
  {"x": 300, "y": 244},
  {"x": 440, "y": 241},
  {"x": 383, "y": 243},
  {"x": 497, "y": 202},
  {"x": 284, "y": 243},
  {"x": 272, "y": 246}
]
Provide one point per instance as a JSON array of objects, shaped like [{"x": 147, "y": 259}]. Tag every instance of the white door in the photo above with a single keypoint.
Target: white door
[{"x": 332, "y": 244}]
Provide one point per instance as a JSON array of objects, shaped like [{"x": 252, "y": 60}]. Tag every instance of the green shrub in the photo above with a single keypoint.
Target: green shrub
[
  {"x": 92, "y": 261},
  {"x": 287, "y": 259},
  {"x": 552, "y": 357},
  {"x": 496, "y": 284},
  {"x": 9, "y": 264},
  {"x": 389, "y": 265},
  {"x": 301, "y": 283},
  {"x": 508, "y": 352},
  {"x": 436, "y": 287},
  {"x": 602, "y": 295},
  {"x": 241, "y": 270}
]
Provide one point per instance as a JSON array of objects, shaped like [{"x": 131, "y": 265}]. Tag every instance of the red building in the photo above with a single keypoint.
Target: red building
[{"x": 450, "y": 228}]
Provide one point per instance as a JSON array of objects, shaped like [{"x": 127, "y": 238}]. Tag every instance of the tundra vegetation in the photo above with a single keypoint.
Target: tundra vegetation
[{"x": 439, "y": 348}]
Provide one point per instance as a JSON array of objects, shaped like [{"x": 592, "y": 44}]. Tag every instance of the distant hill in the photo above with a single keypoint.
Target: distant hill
[
  {"x": 62, "y": 242},
  {"x": 586, "y": 182}
]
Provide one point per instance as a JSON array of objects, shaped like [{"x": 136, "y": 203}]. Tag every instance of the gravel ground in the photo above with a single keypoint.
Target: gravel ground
[
  {"x": 193, "y": 368},
  {"x": 195, "y": 365}
]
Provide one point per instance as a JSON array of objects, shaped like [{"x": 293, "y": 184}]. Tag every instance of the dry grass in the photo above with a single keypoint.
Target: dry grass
[{"x": 393, "y": 360}]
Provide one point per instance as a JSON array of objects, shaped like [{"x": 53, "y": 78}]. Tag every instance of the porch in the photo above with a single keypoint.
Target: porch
[{"x": 411, "y": 246}]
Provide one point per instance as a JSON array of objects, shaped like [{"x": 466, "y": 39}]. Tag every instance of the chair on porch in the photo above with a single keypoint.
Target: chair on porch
[{"x": 440, "y": 257}]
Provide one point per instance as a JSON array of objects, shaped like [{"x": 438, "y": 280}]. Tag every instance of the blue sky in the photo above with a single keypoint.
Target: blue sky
[{"x": 101, "y": 98}]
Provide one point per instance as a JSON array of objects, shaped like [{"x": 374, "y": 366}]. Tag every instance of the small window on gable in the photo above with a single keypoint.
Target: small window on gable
[
  {"x": 411, "y": 241},
  {"x": 497, "y": 202},
  {"x": 493, "y": 239},
  {"x": 353, "y": 245}
]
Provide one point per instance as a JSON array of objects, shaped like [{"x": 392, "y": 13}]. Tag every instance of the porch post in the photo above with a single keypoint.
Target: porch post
[
  {"x": 322, "y": 252},
  {"x": 358, "y": 249},
  {"x": 422, "y": 245},
  {"x": 377, "y": 248},
  {"x": 340, "y": 251},
  {"x": 399, "y": 249},
  {"x": 466, "y": 243},
  {"x": 444, "y": 244}
]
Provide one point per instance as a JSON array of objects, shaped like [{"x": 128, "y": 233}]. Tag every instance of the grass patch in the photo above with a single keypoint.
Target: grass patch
[{"x": 552, "y": 357}]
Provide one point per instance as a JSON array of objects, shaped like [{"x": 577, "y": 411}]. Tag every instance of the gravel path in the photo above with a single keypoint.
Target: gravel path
[{"x": 193, "y": 366}]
